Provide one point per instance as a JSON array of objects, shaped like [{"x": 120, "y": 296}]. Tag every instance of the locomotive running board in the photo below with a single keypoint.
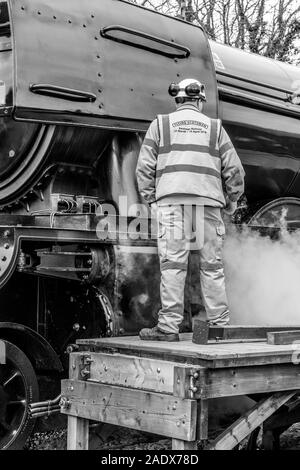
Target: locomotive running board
[{"x": 203, "y": 333}]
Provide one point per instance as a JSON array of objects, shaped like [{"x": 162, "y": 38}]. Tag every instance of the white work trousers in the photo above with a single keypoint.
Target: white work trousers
[{"x": 182, "y": 228}]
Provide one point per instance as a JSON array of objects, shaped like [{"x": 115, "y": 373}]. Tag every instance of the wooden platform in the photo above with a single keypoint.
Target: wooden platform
[
  {"x": 164, "y": 388},
  {"x": 226, "y": 353}
]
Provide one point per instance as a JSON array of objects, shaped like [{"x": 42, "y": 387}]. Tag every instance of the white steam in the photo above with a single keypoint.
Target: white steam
[{"x": 263, "y": 278}]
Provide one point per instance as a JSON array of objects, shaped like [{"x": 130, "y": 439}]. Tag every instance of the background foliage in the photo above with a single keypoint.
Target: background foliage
[{"x": 267, "y": 27}]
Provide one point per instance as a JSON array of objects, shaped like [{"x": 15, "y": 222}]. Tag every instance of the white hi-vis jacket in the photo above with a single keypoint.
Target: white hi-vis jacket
[{"x": 186, "y": 153}]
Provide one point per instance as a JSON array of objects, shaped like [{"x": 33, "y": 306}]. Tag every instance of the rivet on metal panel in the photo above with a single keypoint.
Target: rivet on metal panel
[
  {"x": 4, "y": 259},
  {"x": 178, "y": 424},
  {"x": 39, "y": 12},
  {"x": 6, "y": 246},
  {"x": 158, "y": 370},
  {"x": 99, "y": 74},
  {"x": 92, "y": 16},
  {"x": 6, "y": 233},
  {"x": 54, "y": 17},
  {"x": 84, "y": 25},
  {"x": 69, "y": 21},
  {"x": 23, "y": 8}
]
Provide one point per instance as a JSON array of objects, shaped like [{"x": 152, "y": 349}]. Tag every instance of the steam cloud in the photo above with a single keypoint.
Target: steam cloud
[{"x": 263, "y": 278}]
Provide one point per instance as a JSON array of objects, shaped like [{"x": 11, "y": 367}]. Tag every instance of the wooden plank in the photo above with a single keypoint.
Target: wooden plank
[
  {"x": 210, "y": 355},
  {"x": 129, "y": 371},
  {"x": 246, "y": 331},
  {"x": 78, "y": 433},
  {"x": 178, "y": 444},
  {"x": 133, "y": 372},
  {"x": 135, "y": 409},
  {"x": 283, "y": 337},
  {"x": 202, "y": 333},
  {"x": 202, "y": 420},
  {"x": 216, "y": 383},
  {"x": 239, "y": 430}
]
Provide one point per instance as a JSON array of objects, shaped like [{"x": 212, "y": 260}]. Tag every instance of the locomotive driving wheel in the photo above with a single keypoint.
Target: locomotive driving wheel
[{"x": 18, "y": 388}]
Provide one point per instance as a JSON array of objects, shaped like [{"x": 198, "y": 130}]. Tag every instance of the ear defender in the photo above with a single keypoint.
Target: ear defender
[
  {"x": 174, "y": 90},
  {"x": 194, "y": 90}
]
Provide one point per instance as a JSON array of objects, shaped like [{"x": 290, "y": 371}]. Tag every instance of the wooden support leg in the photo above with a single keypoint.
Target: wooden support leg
[
  {"x": 202, "y": 420},
  {"x": 233, "y": 435},
  {"x": 78, "y": 433},
  {"x": 177, "y": 444},
  {"x": 268, "y": 440},
  {"x": 271, "y": 438}
]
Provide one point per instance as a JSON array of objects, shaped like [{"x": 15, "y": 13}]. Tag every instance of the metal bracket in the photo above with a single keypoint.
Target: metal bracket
[
  {"x": 193, "y": 382},
  {"x": 85, "y": 367}
]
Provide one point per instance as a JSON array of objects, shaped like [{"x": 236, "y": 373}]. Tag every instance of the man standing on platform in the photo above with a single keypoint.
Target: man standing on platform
[{"x": 188, "y": 171}]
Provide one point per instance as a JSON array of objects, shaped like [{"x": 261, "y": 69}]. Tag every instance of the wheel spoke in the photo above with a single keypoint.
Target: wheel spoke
[{"x": 11, "y": 378}]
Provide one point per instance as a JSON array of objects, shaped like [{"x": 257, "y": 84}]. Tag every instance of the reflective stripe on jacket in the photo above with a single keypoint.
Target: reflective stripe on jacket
[{"x": 187, "y": 153}]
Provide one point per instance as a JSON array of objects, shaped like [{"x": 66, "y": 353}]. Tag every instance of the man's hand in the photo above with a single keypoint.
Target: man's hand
[{"x": 230, "y": 208}]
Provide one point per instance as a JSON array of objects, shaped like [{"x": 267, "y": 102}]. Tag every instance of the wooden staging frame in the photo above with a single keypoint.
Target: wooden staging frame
[{"x": 165, "y": 388}]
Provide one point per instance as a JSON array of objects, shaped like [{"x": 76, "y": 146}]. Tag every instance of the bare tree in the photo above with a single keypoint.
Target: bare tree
[{"x": 267, "y": 27}]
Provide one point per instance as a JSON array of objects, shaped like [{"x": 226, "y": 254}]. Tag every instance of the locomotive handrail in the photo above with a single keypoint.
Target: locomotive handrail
[
  {"x": 289, "y": 109},
  {"x": 69, "y": 94},
  {"x": 256, "y": 83},
  {"x": 182, "y": 51}
]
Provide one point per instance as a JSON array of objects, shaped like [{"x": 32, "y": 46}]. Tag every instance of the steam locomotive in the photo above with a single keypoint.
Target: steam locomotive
[{"x": 79, "y": 84}]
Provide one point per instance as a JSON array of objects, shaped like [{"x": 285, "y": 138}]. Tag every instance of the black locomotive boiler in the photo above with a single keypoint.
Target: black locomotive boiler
[{"x": 79, "y": 84}]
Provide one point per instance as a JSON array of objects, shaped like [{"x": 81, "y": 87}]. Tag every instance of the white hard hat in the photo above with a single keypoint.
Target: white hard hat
[{"x": 188, "y": 88}]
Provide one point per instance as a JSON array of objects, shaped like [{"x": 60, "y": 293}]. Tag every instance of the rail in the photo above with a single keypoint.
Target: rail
[
  {"x": 255, "y": 82},
  {"x": 179, "y": 51},
  {"x": 69, "y": 94}
]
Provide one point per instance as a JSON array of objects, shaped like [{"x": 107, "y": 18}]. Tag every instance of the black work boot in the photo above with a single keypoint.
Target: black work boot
[{"x": 155, "y": 334}]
